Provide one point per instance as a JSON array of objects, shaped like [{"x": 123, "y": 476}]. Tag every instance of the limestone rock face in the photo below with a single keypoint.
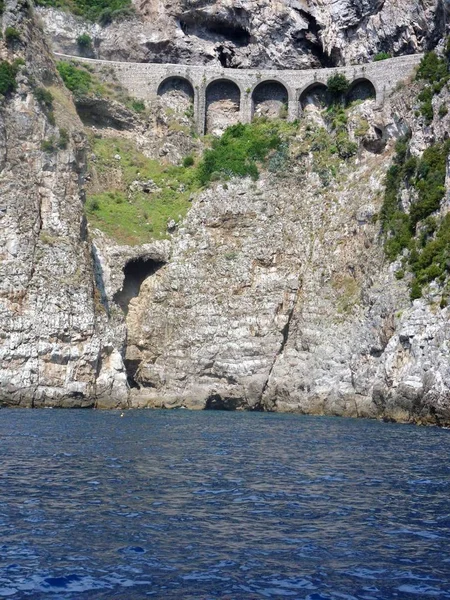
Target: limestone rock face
[
  {"x": 54, "y": 339},
  {"x": 289, "y": 34},
  {"x": 278, "y": 296}
]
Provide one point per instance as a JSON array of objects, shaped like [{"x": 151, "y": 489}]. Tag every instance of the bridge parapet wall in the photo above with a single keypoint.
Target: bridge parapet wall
[{"x": 142, "y": 80}]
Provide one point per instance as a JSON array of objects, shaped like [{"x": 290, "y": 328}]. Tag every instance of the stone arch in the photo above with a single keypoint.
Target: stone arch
[
  {"x": 270, "y": 98},
  {"x": 177, "y": 94},
  {"x": 314, "y": 95},
  {"x": 361, "y": 89},
  {"x": 222, "y": 105}
]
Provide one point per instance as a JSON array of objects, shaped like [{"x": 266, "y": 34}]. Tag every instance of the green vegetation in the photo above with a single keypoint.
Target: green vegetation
[
  {"x": 188, "y": 161},
  {"x": 103, "y": 11},
  {"x": 434, "y": 72},
  {"x": 78, "y": 81},
  {"x": 382, "y": 56},
  {"x": 239, "y": 150},
  {"x": 126, "y": 212},
  {"x": 425, "y": 240},
  {"x": 45, "y": 99},
  {"x": 81, "y": 82},
  {"x": 338, "y": 85},
  {"x": 133, "y": 198},
  {"x": 8, "y": 72},
  {"x": 84, "y": 41},
  {"x": 12, "y": 35}
]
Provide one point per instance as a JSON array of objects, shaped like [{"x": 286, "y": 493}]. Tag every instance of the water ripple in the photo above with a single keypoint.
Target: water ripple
[{"x": 183, "y": 505}]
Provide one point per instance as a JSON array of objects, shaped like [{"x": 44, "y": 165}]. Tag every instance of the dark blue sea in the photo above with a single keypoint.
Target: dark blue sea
[{"x": 209, "y": 505}]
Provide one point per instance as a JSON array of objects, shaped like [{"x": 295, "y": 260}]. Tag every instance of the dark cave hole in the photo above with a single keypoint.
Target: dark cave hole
[
  {"x": 235, "y": 34},
  {"x": 135, "y": 271},
  {"x": 217, "y": 402},
  {"x": 225, "y": 56}
]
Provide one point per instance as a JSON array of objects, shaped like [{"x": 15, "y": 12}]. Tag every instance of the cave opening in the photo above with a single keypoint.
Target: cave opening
[
  {"x": 135, "y": 272},
  {"x": 238, "y": 35}
]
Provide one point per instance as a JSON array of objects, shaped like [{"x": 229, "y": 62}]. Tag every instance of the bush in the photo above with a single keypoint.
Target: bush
[
  {"x": 48, "y": 145},
  {"x": 443, "y": 110},
  {"x": 239, "y": 150},
  {"x": 63, "y": 139},
  {"x": 44, "y": 97},
  {"x": 346, "y": 148},
  {"x": 188, "y": 161},
  {"x": 432, "y": 68},
  {"x": 92, "y": 205},
  {"x": 8, "y": 74},
  {"x": 382, "y": 56},
  {"x": 338, "y": 85},
  {"x": 138, "y": 105},
  {"x": 84, "y": 41},
  {"x": 429, "y": 249},
  {"x": 12, "y": 35},
  {"x": 76, "y": 80}
]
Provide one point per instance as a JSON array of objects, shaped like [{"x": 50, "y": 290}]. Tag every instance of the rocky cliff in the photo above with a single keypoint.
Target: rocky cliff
[
  {"x": 256, "y": 33},
  {"x": 55, "y": 348},
  {"x": 269, "y": 293}
]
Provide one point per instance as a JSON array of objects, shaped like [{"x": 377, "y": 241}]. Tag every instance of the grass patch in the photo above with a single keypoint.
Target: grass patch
[{"x": 136, "y": 217}]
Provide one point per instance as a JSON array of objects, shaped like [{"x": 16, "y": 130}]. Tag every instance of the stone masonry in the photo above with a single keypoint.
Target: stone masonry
[{"x": 145, "y": 80}]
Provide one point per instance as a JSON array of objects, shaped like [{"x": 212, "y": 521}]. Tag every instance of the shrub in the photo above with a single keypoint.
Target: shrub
[
  {"x": 443, "y": 110},
  {"x": 138, "y": 105},
  {"x": 432, "y": 68},
  {"x": 188, "y": 161},
  {"x": 63, "y": 139},
  {"x": 84, "y": 41},
  {"x": 382, "y": 56},
  {"x": 346, "y": 148},
  {"x": 92, "y": 205},
  {"x": 338, "y": 85},
  {"x": 8, "y": 74},
  {"x": 44, "y": 97},
  {"x": 76, "y": 80},
  {"x": 239, "y": 150},
  {"x": 12, "y": 35},
  {"x": 48, "y": 145},
  {"x": 429, "y": 249}
]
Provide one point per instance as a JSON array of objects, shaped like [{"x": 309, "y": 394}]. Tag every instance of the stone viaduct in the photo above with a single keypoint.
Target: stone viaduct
[{"x": 247, "y": 89}]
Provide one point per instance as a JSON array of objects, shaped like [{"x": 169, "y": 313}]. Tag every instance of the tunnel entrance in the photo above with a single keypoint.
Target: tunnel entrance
[
  {"x": 135, "y": 271},
  {"x": 223, "y": 102},
  {"x": 270, "y": 99}
]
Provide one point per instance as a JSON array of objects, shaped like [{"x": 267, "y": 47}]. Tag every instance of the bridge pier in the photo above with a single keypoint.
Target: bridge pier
[
  {"x": 246, "y": 108},
  {"x": 293, "y": 112}
]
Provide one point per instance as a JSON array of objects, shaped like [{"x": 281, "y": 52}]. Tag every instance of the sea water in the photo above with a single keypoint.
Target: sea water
[{"x": 206, "y": 505}]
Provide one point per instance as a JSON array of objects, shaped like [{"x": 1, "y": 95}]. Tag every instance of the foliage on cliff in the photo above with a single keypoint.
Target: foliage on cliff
[
  {"x": 418, "y": 233},
  {"x": 103, "y": 11},
  {"x": 434, "y": 72}
]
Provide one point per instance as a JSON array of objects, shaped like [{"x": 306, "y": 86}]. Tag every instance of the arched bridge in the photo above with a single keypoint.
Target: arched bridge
[{"x": 244, "y": 93}]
